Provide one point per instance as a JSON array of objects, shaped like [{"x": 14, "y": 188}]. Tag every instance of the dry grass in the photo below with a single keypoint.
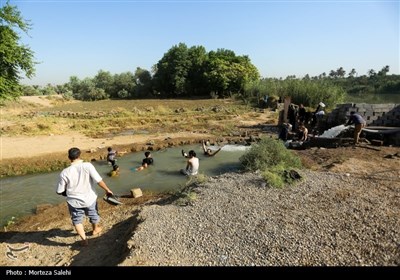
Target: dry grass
[
  {"x": 101, "y": 117},
  {"x": 110, "y": 117}
]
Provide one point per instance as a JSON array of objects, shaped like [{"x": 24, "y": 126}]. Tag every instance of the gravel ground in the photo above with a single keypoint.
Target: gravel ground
[{"x": 235, "y": 220}]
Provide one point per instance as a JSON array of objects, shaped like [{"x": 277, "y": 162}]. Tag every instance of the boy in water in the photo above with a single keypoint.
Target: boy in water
[
  {"x": 192, "y": 166},
  {"x": 111, "y": 156},
  {"x": 208, "y": 151},
  {"x": 146, "y": 161},
  {"x": 114, "y": 172}
]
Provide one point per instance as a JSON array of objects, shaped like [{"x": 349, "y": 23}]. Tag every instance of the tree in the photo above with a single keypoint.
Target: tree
[
  {"x": 352, "y": 73},
  {"x": 143, "y": 82},
  {"x": 14, "y": 57},
  {"x": 172, "y": 71},
  {"x": 227, "y": 73},
  {"x": 104, "y": 80},
  {"x": 340, "y": 72},
  {"x": 196, "y": 84},
  {"x": 371, "y": 73},
  {"x": 384, "y": 71},
  {"x": 124, "y": 85},
  {"x": 333, "y": 74}
]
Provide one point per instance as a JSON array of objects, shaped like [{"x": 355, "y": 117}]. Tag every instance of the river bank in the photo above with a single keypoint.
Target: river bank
[
  {"x": 328, "y": 218},
  {"x": 344, "y": 212}
]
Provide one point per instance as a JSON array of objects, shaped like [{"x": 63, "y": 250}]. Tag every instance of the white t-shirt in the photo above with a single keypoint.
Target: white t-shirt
[{"x": 80, "y": 180}]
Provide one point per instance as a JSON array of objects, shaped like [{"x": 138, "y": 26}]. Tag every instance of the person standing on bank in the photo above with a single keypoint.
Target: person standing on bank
[
  {"x": 77, "y": 183},
  {"x": 359, "y": 124}
]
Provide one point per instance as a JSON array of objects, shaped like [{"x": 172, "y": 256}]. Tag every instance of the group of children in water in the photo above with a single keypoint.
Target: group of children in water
[{"x": 192, "y": 164}]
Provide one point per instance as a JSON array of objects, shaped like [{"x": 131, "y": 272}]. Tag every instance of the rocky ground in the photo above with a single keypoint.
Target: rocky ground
[
  {"x": 334, "y": 216},
  {"x": 344, "y": 211}
]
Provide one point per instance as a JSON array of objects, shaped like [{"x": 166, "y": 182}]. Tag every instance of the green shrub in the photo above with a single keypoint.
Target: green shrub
[
  {"x": 271, "y": 157},
  {"x": 273, "y": 179},
  {"x": 268, "y": 153}
]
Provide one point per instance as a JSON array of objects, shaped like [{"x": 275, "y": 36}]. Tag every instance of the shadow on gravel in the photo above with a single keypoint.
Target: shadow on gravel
[
  {"x": 38, "y": 237},
  {"x": 110, "y": 248}
]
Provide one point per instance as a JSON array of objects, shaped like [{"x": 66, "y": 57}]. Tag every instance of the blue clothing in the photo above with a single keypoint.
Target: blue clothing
[
  {"x": 77, "y": 214},
  {"x": 356, "y": 119}
]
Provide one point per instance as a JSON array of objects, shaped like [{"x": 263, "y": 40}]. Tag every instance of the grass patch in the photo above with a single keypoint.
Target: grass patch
[
  {"x": 9, "y": 223},
  {"x": 275, "y": 162},
  {"x": 188, "y": 195}
]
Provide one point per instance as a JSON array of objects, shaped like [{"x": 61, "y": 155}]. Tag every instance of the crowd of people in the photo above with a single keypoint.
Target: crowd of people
[
  {"x": 298, "y": 120},
  {"x": 78, "y": 181},
  {"x": 78, "y": 184}
]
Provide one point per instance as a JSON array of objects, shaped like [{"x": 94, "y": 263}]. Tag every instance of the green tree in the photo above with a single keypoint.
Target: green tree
[
  {"x": 196, "y": 83},
  {"x": 352, "y": 73},
  {"x": 172, "y": 70},
  {"x": 15, "y": 58},
  {"x": 30, "y": 91},
  {"x": 227, "y": 73},
  {"x": 143, "y": 82},
  {"x": 384, "y": 71},
  {"x": 104, "y": 80},
  {"x": 340, "y": 72},
  {"x": 124, "y": 85}
]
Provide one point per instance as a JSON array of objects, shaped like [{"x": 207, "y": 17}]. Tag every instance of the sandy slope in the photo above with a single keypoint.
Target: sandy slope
[
  {"x": 13, "y": 147},
  {"x": 48, "y": 239}
]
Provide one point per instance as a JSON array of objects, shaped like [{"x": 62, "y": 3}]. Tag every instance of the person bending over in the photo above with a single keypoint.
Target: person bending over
[
  {"x": 303, "y": 133},
  {"x": 359, "y": 124}
]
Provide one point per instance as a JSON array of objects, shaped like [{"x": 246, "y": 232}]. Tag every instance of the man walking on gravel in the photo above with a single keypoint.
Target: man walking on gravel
[{"x": 77, "y": 183}]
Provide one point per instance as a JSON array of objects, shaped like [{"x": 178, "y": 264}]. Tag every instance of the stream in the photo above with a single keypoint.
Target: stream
[{"x": 20, "y": 195}]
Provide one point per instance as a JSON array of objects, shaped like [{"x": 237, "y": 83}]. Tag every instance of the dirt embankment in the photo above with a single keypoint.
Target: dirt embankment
[
  {"x": 365, "y": 179},
  {"x": 48, "y": 238}
]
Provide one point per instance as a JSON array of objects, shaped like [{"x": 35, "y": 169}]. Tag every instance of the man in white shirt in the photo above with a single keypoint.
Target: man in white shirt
[{"x": 77, "y": 182}]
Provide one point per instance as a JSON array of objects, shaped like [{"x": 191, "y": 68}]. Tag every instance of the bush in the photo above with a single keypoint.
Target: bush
[{"x": 271, "y": 157}]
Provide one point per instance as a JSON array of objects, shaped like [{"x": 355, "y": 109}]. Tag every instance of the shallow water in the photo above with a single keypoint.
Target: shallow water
[{"x": 20, "y": 195}]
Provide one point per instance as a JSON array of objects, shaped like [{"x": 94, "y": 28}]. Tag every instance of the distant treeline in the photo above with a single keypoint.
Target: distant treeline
[
  {"x": 192, "y": 72},
  {"x": 331, "y": 89},
  {"x": 182, "y": 72}
]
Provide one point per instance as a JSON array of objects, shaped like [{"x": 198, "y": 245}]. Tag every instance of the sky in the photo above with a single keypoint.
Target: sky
[{"x": 282, "y": 38}]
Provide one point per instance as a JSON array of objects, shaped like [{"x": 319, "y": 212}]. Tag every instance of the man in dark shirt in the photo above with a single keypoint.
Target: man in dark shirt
[
  {"x": 359, "y": 123},
  {"x": 146, "y": 161}
]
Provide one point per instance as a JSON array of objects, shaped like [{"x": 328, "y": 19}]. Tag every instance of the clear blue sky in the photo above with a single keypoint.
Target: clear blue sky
[{"x": 281, "y": 37}]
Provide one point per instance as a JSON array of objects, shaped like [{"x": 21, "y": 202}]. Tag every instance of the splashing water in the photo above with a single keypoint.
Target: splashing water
[
  {"x": 334, "y": 131},
  {"x": 234, "y": 148}
]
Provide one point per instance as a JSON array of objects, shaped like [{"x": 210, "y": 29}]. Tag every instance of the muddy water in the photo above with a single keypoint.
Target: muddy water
[{"x": 20, "y": 195}]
